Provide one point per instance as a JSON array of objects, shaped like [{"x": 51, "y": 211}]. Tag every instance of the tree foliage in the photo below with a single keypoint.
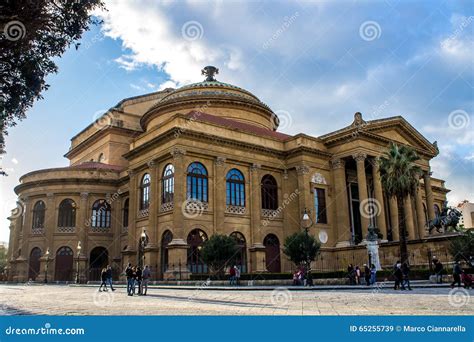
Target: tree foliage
[
  {"x": 219, "y": 252},
  {"x": 400, "y": 177},
  {"x": 34, "y": 33},
  {"x": 462, "y": 247},
  {"x": 300, "y": 246}
]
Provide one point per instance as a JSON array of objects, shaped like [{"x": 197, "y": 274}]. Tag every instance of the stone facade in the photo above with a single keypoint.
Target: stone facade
[{"x": 116, "y": 190}]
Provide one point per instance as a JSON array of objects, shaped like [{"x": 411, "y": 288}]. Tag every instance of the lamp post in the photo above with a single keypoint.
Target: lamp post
[
  {"x": 46, "y": 267},
  {"x": 306, "y": 224},
  {"x": 141, "y": 247},
  {"x": 78, "y": 248}
]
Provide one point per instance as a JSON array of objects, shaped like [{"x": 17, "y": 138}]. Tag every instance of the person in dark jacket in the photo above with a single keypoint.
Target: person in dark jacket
[
  {"x": 397, "y": 271},
  {"x": 457, "y": 271},
  {"x": 350, "y": 274},
  {"x": 438, "y": 269},
  {"x": 139, "y": 278},
  {"x": 367, "y": 274},
  {"x": 103, "y": 277},
  {"x": 109, "y": 277},
  {"x": 130, "y": 280},
  {"x": 406, "y": 276}
]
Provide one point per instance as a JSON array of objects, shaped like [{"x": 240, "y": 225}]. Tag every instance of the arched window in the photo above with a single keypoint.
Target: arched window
[
  {"x": 125, "y": 213},
  {"x": 165, "y": 240},
  {"x": 67, "y": 213},
  {"x": 195, "y": 240},
  {"x": 197, "y": 182},
  {"x": 235, "y": 188},
  {"x": 241, "y": 257},
  {"x": 436, "y": 210},
  {"x": 100, "y": 214},
  {"x": 269, "y": 193},
  {"x": 168, "y": 184},
  {"x": 101, "y": 158},
  {"x": 38, "y": 215},
  {"x": 145, "y": 192}
]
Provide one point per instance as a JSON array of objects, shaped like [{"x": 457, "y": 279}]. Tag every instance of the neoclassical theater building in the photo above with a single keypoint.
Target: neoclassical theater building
[{"x": 176, "y": 166}]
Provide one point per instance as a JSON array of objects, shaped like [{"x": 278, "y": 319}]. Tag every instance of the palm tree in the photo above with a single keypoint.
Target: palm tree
[{"x": 400, "y": 176}]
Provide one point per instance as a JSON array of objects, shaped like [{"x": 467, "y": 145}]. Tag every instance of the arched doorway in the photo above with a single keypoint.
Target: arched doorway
[
  {"x": 165, "y": 240},
  {"x": 241, "y": 257},
  {"x": 195, "y": 240},
  {"x": 34, "y": 263},
  {"x": 98, "y": 260},
  {"x": 64, "y": 264},
  {"x": 272, "y": 253}
]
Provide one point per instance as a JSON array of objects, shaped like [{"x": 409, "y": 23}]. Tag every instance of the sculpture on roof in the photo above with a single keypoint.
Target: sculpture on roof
[{"x": 209, "y": 71}]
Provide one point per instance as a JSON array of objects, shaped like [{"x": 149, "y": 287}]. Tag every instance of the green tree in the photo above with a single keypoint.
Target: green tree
[
  {"x": 299, "y": 247},
  {"x": 34, "y": 33},
  {"x": 219, "y": 252},
  {"x": 462, "y": 247},
  {"x": 400, "y": 177}
]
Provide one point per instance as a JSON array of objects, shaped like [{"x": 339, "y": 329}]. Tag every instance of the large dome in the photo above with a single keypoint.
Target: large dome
[{"x": 216, "y": 98}]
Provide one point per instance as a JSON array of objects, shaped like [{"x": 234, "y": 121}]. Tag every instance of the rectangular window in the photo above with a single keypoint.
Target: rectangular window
[{"x": 320, "y": 205}]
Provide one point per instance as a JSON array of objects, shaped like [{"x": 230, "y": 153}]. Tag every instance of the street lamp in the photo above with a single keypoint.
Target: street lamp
[
  {"x": 306, "y": 222},
  {"x": 46, "y": 267},
  {"x": 78, "y": 248},
  {"x": 141, "y": 247}
]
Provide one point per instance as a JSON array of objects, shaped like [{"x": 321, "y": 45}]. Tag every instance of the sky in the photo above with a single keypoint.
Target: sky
[{"x": 314, "y": 63}]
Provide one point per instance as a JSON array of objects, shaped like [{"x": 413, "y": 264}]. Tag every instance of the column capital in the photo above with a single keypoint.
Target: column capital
[
  {"x": 50, "y": 195},
  {"x": 131, "y": 173},
  {"x": 220, "y": 161},
  {"x": 359, "y": 156},
  {"x": 152, "y": 164},
  {"x": 178, "y": 153},
  {"x": 302, "y": 169},
  {"x": 255, "y": 167},
  {"x": 337, "y": 163}
]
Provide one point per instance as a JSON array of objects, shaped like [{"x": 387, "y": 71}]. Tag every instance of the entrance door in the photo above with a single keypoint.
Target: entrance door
[
  {"x": 99, "y": 259},
  {"x": 34, "y": 263},
  {"x": 64, "y": 264},
  {"x": 272, "y": 253}
]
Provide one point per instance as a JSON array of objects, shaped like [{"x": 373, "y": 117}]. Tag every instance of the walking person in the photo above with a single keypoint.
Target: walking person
[
  {"x": 406, "y": 276},
  {"x": 373, "y": 274},
  {"x": 397, "y": 271},
  {"x": 139, "y": 277},
  {"x": 357, "y": 275},
  {"x": 146, "y": 278},
  {"x": 367, "y": 274},
  {"x": 129, "y": 275},
  {"x": 237, "y": 275},
  {"x": 103, "y": 277},
  {"x": 232, "y": 275},
  {"x": 438, "y": 269},
  {"x": 109, "y": 277},
  {"x": 350, "y": 274},
  {"x": 457, "y": 271}
]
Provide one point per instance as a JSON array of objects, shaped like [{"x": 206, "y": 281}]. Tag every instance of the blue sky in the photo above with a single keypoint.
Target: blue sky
[{"x": 314, "y": 63}]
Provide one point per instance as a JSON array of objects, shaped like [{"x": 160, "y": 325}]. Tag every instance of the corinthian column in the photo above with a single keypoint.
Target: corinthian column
[
  {"x": 420, "y": 213},
  {"x": 363, "y": 195},
  {"x": 340, "y": 195},
  {"x": 378, "y": 192},
  {"x": 429, "y": 195}
]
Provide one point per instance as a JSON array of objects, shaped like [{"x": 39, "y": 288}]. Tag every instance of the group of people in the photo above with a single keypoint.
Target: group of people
[
  {"x": 355, "y": 274},
  {"x": 402, "y": 276},
  {"x": 137, "y": 279},
  {"x": 106, "y": 278},
  {"x": 459, "y": 275},
  {"x": 234, "y": 275}
]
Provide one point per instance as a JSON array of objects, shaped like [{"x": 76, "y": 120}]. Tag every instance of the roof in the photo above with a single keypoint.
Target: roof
[
  {"x": 236, "y": 125},
  {"x": 96, "y": 165}
]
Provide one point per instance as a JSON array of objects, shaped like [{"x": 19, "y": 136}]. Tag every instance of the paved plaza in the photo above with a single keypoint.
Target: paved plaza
[{"x": 70, "y": 300}]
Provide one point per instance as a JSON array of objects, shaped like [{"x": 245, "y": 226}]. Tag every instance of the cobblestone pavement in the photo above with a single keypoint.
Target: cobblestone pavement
[{"x": 67, "y": 300}]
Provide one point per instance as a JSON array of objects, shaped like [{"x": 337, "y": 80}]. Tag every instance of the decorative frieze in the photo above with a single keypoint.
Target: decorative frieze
[
  {"x": 66, "y": 229},
  {"x": 100, "y": 229},
  {"x": 270, "y": 213},
  {"x": 37, "y": 231},
  {"x": 220, "y": 161},
  {"x": 302, "y": 169},
  {"x": 169, "y": 206},
  {"x": 178, "y": 153},
  {"x": 359, "y": 157}
]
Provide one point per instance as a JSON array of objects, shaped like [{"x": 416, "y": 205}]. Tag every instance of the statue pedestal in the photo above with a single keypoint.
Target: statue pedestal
[{"x": 373, "y": 251}]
